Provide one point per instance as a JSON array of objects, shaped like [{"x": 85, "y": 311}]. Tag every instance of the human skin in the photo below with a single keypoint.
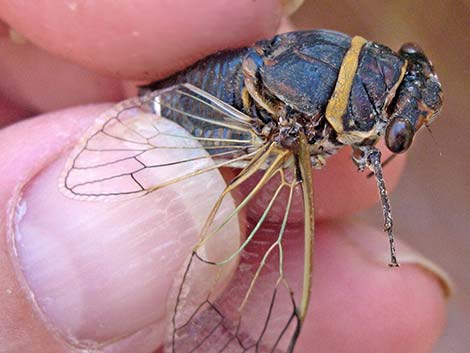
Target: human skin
[{"x": 359, "y": 304}]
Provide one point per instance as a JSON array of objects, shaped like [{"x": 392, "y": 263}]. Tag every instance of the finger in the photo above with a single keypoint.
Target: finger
[
  {"x": 10, "y": 111},
  {"x": 359, "y": 304},
  {"x": 37, "y": 81},
  {"x": 342, "y": 190},
  {"x": 144, "y": 39},
  {"x": 3, "y": 29},
  {"x": 98, "y": 273}
]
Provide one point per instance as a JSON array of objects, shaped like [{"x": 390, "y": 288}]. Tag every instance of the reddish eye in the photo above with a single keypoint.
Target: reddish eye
[{"x": 399, "y": 135}]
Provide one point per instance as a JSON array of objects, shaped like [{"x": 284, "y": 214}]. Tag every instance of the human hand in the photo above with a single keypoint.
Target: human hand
[{"x": 88, "y": 263}]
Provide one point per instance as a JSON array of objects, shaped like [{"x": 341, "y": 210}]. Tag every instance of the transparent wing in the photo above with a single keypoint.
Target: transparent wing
[
  {"x": 233, "y": 295},
  {"x": 261, "y": 308},
  {"x": 141, "y": 144}
]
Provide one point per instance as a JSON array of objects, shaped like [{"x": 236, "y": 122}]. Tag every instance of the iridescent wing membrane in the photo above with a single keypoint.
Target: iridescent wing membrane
[{"x": 133, "y": 150}]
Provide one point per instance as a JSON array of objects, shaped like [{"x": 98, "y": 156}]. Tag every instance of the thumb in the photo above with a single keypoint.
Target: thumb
[{"x": 97, "y": 273}]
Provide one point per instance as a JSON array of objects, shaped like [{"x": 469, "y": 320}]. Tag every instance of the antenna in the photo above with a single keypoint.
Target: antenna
[{"x": 433, "y": 139}]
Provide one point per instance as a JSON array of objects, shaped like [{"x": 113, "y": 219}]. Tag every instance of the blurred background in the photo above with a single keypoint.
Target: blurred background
[{"x": 436, "y": 181}]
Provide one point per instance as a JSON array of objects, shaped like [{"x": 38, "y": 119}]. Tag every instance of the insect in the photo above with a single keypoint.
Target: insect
[{"x": 273, "y": 111}]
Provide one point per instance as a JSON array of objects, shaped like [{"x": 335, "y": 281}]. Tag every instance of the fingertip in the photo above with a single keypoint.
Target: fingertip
[
  {"x": 11, "y": 112},
  {"x": 361, "y": 305},
  {"x": 340, "y": 189},
  {"x": 142, "y": 40},
  {"x": 98, "y": 272},
  {"x": 3, "y": 29},
  {"x": 37, "y": 81}
]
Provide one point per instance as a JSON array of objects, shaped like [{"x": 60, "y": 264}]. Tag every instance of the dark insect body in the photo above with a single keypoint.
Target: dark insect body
[
  {"x": 279, "y": 107},
  {"x": 290, "y": 80}
]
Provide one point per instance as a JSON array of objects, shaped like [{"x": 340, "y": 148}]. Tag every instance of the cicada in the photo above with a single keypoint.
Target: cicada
[{"x": 272, "y": 112}]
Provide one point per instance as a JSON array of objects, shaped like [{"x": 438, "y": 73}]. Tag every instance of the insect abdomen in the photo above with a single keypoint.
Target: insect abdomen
[{"x": 219, "y": 75}]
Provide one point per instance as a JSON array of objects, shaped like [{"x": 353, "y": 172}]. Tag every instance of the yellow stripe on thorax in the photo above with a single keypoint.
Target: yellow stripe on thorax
[{"x": 338, "y": 103}]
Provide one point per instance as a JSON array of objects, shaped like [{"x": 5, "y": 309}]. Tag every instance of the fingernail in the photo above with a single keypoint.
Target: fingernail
[
  {"x": 376, "y": 249},
  {"x": 291, "y": 6},
  {"x": 100, "y": 272},
  {"x": 16, "y": 37}
]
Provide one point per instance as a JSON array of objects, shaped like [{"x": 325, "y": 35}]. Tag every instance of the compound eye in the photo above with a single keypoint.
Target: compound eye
[
  {"x": 399, "y": 135},
  {"x": 411, "y": 48}
]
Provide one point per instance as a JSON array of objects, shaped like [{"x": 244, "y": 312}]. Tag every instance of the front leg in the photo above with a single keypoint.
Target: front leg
[{"x": 370, "y": 157}]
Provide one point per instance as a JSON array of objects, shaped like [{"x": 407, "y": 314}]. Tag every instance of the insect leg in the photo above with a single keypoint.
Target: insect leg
[
  {"x": 374, "y": 164},
  {"x": 384, "y": 163}
]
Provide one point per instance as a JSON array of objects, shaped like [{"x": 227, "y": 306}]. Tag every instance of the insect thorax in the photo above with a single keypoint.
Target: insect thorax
[{"x": 334, "y": 88}]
